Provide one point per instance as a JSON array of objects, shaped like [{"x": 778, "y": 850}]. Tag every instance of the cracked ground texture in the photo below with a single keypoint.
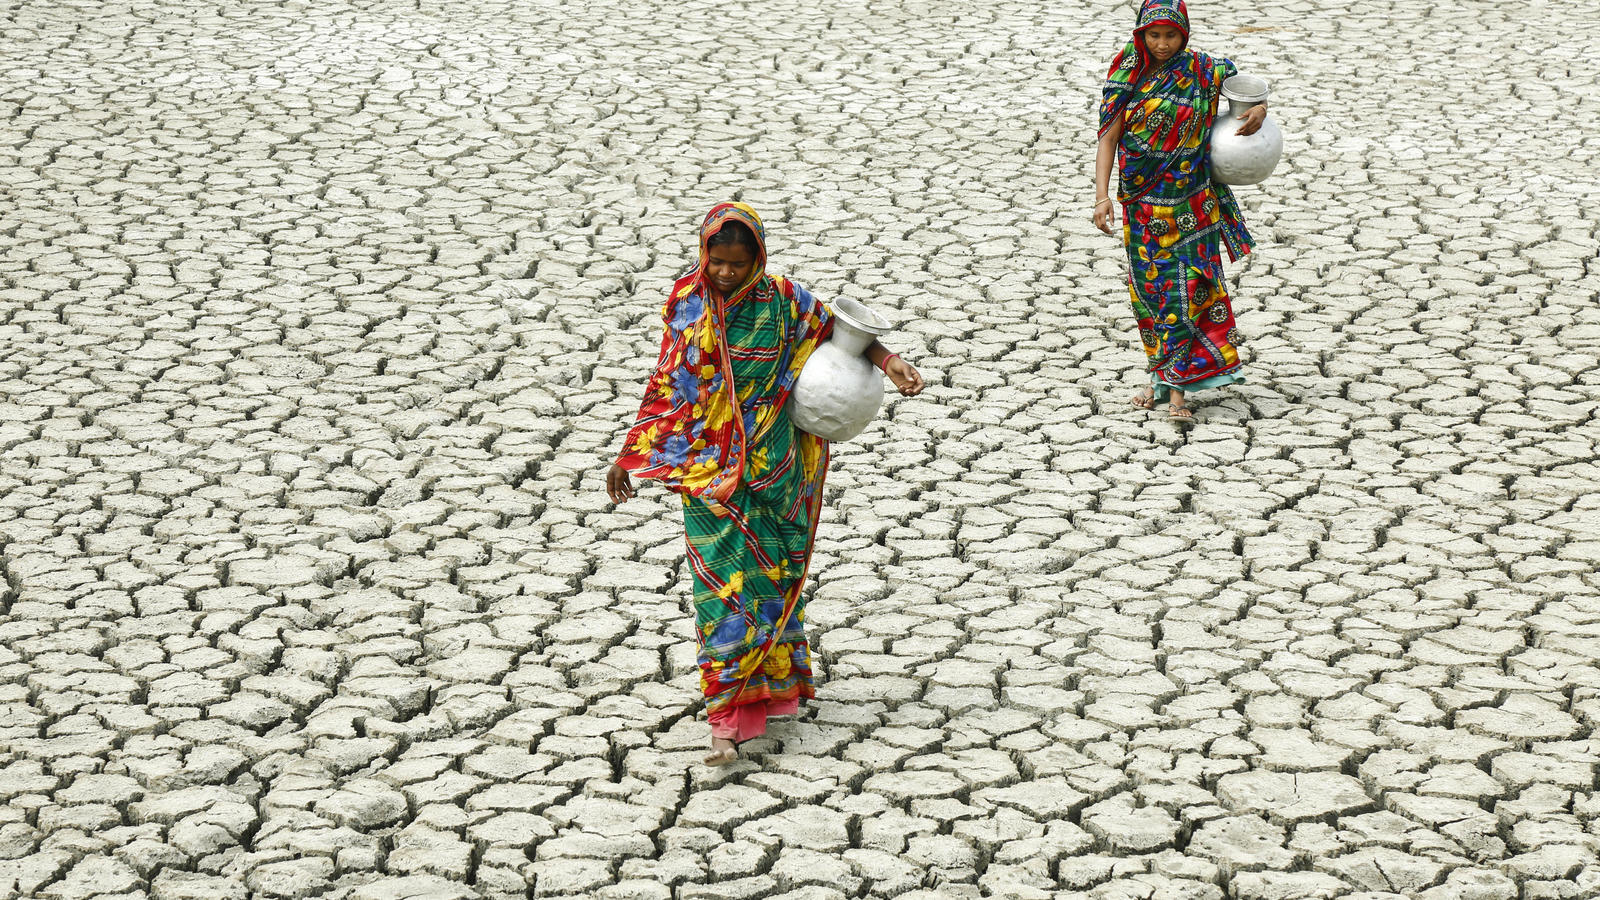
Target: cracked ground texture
[{"x": 320, "y": 320}]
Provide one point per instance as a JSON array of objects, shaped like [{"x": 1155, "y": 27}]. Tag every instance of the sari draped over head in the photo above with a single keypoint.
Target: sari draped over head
[
  {"x": 714, "y": 427},
  {"x": 1174, "y": 216}
]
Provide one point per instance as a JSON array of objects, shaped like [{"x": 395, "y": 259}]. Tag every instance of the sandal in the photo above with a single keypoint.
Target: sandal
[
  {"x": 1174, "y": 411},
  {"x": 1146, "y": 400}
]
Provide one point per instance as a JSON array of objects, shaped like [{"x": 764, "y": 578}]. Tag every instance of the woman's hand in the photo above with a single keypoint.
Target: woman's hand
[
  {"x": 1105, "y": 214},
  {"x": 905, "y": 376},
  {"x": 1250, "y": 122},
  {"x": 619, "y": 486}
]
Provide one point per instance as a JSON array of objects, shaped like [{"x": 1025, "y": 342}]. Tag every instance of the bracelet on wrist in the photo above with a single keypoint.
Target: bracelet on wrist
[{"x": 884, "y": 368}]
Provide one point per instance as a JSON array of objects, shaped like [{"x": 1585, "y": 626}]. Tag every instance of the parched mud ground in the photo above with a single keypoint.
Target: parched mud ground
[{"x": 318, "y": 321}]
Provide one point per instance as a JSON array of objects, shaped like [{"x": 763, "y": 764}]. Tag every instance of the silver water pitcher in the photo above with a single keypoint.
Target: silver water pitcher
[
  {"x": 839, "y": 391},
  {"x": 1240, "y": 159}
]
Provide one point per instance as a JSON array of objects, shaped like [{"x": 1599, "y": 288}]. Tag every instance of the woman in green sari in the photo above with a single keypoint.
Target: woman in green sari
[{"x": 714, "y": 428}]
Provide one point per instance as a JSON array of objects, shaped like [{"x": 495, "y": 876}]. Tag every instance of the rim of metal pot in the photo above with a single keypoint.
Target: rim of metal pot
[
  {"x": 859, "y": 315},
  {"x": 1246, "y": 88}
]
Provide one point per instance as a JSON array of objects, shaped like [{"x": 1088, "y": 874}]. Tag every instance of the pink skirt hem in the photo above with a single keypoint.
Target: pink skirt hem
[{"x": 749, "y": 720}]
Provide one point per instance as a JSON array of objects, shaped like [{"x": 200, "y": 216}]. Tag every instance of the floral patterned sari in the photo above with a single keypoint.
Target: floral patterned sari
[
  {"x": 1174, "y": 216},
  {"x": 714, "y": 427}
]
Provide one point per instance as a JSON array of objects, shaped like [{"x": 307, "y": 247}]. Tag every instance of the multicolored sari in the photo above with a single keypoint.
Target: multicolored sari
[
  {"x": 1173, "y": 215},
  {"x": 715, "y": 428}
]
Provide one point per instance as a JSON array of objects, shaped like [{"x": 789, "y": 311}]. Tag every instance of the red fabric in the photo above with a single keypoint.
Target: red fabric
[{"x": 749, "y": 719}]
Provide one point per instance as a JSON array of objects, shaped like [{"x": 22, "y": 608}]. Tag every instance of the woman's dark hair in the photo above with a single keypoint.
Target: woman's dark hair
[{"x": 736, "y": 234}]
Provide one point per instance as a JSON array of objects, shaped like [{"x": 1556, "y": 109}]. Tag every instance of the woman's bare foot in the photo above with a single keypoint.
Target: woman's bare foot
[
  {"x": 723, "y": 751},
  {"x": 1177, "y": 410},
  {"x": 1145, "y": 400}
]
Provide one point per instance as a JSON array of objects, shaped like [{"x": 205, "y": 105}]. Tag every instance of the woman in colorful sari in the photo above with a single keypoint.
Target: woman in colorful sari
[
  {"x": 714, "y": 427},
  {"x": 1159, "y": 102}
]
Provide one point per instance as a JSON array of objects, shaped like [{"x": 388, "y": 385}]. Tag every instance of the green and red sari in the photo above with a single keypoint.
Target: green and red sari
[
  {"x": 1174, "y": 217},
  {"x": 714, "y": 428}
]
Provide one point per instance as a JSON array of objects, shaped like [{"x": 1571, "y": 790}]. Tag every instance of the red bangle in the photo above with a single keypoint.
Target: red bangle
[{"x": 884, "y": 367}]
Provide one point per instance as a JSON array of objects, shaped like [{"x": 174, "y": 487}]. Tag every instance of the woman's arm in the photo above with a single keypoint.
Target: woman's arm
[
  {"x": 907, "y": 380},
  {"x": 1104, "y": 158}
]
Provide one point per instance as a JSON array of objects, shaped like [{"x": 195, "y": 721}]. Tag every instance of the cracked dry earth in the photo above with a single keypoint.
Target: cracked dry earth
[{"x": 320, "y": 320}]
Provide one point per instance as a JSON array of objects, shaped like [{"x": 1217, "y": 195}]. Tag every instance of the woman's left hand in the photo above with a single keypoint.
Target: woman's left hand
[
  {"x": 1250, "y": 122},
  {"x": 907, "y": 380}
]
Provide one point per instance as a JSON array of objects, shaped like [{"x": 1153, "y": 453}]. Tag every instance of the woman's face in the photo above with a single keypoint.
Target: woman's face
[
  {"x": 728, "y": 266},
  {"x": 1163, "y": 41}
]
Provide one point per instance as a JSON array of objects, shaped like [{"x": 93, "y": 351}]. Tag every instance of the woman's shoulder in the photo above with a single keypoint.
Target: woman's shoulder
[
  {"x": 801, "y": 303},
  {"x": 790, "y": 288},
  {"x": 1123, "y": 62},
  {"x": 1205, "y": 62}
]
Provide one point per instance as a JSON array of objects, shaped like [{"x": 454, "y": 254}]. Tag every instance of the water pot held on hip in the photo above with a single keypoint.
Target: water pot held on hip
[
  {"x": 1243, "y": 159},
  {"x": 839, "y": 391}
]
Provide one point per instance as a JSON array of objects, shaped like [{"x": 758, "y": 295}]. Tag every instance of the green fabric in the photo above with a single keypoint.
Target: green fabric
[{"x": 748, "y": 563}]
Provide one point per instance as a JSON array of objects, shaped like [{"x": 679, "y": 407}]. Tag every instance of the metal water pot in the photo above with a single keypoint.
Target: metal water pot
[
  {"x": 1238, "y": 159},
  {"x": 839, "y": 391}
]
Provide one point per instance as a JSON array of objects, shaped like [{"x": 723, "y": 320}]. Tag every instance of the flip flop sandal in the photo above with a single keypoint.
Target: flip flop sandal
[{"x": 1146, "y": 400}]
